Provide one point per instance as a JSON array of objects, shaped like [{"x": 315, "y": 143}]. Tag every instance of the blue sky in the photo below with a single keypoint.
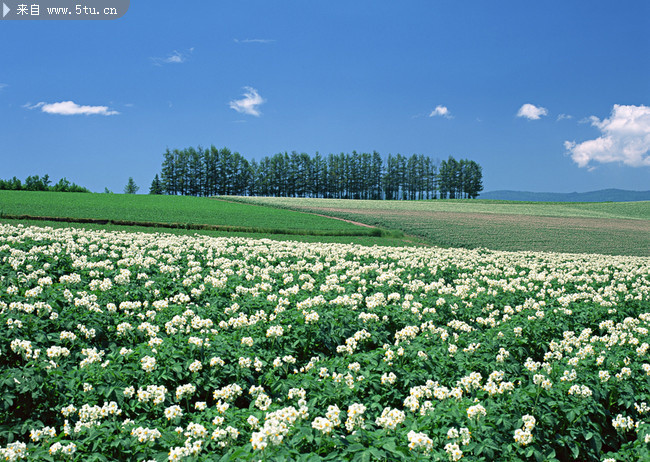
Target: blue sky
[{"x": 546, "y": 96}]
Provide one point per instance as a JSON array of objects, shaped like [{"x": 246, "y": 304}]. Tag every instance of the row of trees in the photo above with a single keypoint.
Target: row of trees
[
  {"x": 210, "y": 172},
  {"x": 36, "y": 183}
]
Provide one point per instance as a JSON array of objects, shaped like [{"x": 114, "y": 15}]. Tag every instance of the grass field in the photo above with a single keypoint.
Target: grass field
[
  {"x": 175, "y": 211},
  {"x": 620, "y": 210},
  {"x": 607, "y": 228},
  {"x": 162, "y": 209}
]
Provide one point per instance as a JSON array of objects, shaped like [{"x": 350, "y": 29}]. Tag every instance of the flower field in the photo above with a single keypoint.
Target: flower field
[{"x": 125, "y": 346}]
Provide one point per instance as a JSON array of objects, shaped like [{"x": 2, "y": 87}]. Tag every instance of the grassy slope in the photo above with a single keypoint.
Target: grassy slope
[
  {"x": 179, "y": 209},
  {"x": 607, "y": 228},
  {"x": 164, "y": 209}
]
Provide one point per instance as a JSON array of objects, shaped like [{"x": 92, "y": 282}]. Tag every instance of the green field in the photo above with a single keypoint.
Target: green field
[
  {"x": 161, "y": 209},
  {"x": 236, "y": 219},
  {"x": 606, "y": 228},
  {"x": 621, "y": 228}
]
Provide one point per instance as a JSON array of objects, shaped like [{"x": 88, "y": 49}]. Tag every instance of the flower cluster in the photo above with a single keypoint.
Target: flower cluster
[
  {"x": 524, "y": 435},
  {"x": 390, "y": 418},
  {"x": 419, "y": 441},
  {"x": 145, "y": 435}
]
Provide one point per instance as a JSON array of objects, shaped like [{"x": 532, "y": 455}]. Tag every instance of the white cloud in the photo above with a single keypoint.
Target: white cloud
[
  {"x": 531, "y": 112},
  {"x": 564, "y": 116},
  {"x": 175, "y": 57},
  {"x": 625, "y": 137},
  {"x": 440, "y": 111},
  {"x": 3, "y": 85},
  {"x": 249, "y": 103},
  {"x": 71, "y": 108},
  {"x": 254, "y": 41}
]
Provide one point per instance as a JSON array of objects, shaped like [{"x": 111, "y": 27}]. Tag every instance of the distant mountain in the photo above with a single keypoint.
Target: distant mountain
[{"x": 603, "y": 195}]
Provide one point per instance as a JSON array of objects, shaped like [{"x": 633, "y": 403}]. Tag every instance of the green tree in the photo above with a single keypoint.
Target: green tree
[
  {"x": 195, "y": 174},
  {"x": 206, "y": 172},
  {"x": 35, "y": 183},
  {"x": 475, "y": 181},
  {"x": 169, "y": 181},
  {"x": 14, "y": 184},
  {"x": 156, "y": 186},
  {"x": 63, "y": 185},
  {"x": 131, "y": 187}
]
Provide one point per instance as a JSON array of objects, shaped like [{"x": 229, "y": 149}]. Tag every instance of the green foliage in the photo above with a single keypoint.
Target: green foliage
[
  {"x": 36, "y": 183},
  {"x": 156, "y": 186},
  {"x": 209, "y": 172},
  {"x": 131, "y": 187},
  {"x": 178, "y": 212}
]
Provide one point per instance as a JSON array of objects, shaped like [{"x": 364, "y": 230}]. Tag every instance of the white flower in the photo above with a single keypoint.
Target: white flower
[
  {"x": 453, "y": 451},
  {"x": 148, "y": 363},
  {"x": 173, "y": 411},
  {"x": 275, "y": 331},
  {"x": 476, "y": 411},
  {"x": 253, "y": 421},
  {"x": 322, "y": 424},
  {"x": 523, "y": 437},
  {"x": 145, "y": 435},
  {"x": 390, "y": 418},
  {"x": 195, "y": 366},
  {"x": 420, "y": 441},
  {"x": 622, "y": 423}
]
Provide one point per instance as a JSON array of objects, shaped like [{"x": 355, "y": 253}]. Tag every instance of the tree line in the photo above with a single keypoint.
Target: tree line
[
  {"x": 212, "y": 171},
  {"x": 37, "y": 183}
]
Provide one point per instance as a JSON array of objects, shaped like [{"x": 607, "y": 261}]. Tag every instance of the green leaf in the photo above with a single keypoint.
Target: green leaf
[
  {"x": 356, "y": 447},
  {"x": 389, "y": 445},
  {"x": 575, "y": 450}
]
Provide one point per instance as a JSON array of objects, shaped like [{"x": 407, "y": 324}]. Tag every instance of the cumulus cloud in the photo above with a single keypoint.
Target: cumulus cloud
[
  {"x": 174, "y": 57},
  {"x": 249, "y": 104},
  {"x": 625, "y": 137},
  {"x": 531, "y": 112},
  {"x": 564, "y": 116},
  {"x": 71, "y": 108},
  {"x": 441, "y": 111}
]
